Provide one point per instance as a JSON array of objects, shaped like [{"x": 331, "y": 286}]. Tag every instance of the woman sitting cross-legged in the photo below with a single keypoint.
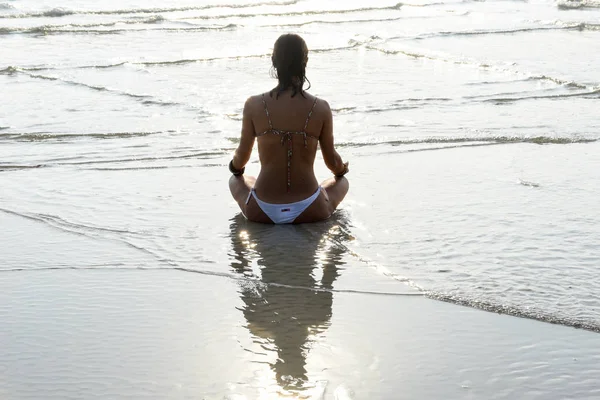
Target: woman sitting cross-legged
[{"x": 288, "y": 124}]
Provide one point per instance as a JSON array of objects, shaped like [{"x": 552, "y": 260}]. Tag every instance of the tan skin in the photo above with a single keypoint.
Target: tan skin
[{"x": 288, "y": 113}]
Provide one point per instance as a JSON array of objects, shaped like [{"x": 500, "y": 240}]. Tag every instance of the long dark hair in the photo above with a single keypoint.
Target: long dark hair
[{"x": 289, "y": 58}]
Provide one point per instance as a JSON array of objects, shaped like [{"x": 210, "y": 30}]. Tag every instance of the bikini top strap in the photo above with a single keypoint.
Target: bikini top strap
[
  {"x": 267, "y": 112},
  {"x": 308, "y": 118}
]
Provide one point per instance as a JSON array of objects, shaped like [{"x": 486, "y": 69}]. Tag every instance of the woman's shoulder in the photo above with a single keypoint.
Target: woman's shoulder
[
  {"x": 320, "y": 104},
  {"x": 255, "y": 99},
  {"x": 254, "y": 103}
]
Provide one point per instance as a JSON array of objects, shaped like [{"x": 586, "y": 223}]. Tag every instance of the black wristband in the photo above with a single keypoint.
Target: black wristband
[
  {"x": 344, "y": 172},
  {"x": 236, "y": 172}
]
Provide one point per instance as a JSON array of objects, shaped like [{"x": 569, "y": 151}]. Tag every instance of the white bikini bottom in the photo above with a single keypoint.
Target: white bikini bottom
[{"x": 284, "y": 213}]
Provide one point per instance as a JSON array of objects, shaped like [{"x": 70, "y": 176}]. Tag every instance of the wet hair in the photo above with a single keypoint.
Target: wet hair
[{"x": 289, "y": 58}]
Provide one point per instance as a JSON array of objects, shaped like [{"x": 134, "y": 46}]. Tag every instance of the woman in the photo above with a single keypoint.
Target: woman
[{"x": 288, "y": 124}]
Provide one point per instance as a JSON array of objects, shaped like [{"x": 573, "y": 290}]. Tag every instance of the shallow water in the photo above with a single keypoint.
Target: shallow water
[
  {"x": 186, "y": 335},
  {"x": 472, "y": 130}
]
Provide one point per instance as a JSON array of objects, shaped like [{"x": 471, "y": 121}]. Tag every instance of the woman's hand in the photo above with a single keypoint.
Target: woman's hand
[
  {"x": 234, "y": 170},
  {"x": 344, "y": 171}
]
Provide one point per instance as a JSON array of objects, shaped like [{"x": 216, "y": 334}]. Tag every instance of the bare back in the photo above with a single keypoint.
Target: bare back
[{"x": 288, "y": 131}]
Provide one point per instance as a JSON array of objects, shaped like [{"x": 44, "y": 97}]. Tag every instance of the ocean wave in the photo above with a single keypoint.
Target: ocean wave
[
  {"x": 145, "y": 99},
  {"x": 586, "y": 26},
  {"x": 6, "y": 6},
  {"x": 13, "y": 69},
  {"x": 142, "y": 168},
  {"x": 410, "y": 54},
  {"x": 523, "y": 312},
  {"x": 54, "y": 12},
  {"x": 60, "y": 222},
  {"x": 85, "y": 28},
  {"x": 351, "y": 45},
  {"x": 577, "y": 4},
  {"x": 483, "y": 65},
  {"x": 592, "y": 94},
  {"x": 60, "y": 12},
  {"x": 416, "y": 55},
  {"x": 570, "y": 84},
  {"x": 10, "y": 167},
  {"x": 227, "y": 27},
  {"x": 88, "y": 86},
  {"x": 202, "y": 155},
  {"x": 194, "y": 155},
  {"x": 301, "y": 13},
  {"x": 45, "y": 28},
  {"x": 528, "y": 183},
  {"x": 57, "y": 12},
  {"x": 577, "y": 26},
  {"x": 10, "y": 70},
  {"x": 48, "y": 136},
  {"x": 342, "y": 110},
  {"x": 85, "y": 230},
  {"x": 233, "y": 276},
  {"x": 403, "y": 104},
  {"x": 541, "y": 140},
  {"x": 43, "y": 136},
  {"x": 193, "y": 60},
  {"x": 349, "y": 21}
]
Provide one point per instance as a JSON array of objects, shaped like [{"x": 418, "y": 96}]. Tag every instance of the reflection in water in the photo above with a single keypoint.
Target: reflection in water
[{"x": 291, "y": 301}]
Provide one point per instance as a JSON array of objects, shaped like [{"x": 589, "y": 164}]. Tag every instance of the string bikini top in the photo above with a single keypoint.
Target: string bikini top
[{"x": 286, "y": 138}]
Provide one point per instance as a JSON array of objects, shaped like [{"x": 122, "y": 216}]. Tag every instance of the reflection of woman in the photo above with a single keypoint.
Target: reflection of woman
[
  {"x": 294, "y": 298},
  {"x": 286, "y": 189}
]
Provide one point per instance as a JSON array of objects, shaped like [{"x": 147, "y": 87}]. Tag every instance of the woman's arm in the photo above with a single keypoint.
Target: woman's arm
[
  {"x": 244, "y": 149},
  {"x": 332, "y": 159}
]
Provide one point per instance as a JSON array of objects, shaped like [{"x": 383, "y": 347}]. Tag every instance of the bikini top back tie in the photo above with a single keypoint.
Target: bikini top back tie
[{"x": 286, "y": 138}]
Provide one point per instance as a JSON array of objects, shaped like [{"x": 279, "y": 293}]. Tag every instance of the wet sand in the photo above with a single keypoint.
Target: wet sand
[
  {"x": 211, "y": 306},
  {"x": 72, "y": 334}
]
